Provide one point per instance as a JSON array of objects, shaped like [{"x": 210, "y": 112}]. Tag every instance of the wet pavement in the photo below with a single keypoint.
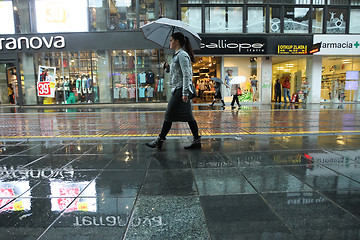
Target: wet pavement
[{"x": 89, "y": 175}]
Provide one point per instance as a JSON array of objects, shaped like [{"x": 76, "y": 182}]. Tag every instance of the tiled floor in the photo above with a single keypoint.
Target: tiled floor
[{"x": 253, "y": 187}]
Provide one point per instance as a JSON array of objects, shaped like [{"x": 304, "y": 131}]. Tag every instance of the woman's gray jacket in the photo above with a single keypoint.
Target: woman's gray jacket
[{"x": 181, "y": 72}]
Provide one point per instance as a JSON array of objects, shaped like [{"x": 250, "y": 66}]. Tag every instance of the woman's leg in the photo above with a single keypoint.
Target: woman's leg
[
  {"x": 237, "y": 101},
  {"x": 194, "y": 128},
  {"x": 233, "y": 100},
  {"x": 165, "y": 129}
]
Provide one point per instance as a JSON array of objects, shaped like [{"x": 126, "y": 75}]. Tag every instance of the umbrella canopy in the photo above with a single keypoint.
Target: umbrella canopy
[
  {"x": 217, "y": 80},
  {"x": 238, "y": 80},
  {"x": 160, "y": 31}
]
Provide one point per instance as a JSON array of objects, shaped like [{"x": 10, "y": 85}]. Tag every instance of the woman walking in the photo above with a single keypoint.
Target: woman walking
[
  {"x": 179, "y": 107},
  {"x": 218, "y": 95},
  {"x": 235, "y": 92}
]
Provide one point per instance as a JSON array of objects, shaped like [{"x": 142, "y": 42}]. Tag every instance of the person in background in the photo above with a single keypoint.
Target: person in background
[
  {"x": 286, "y": 89},
  {"x": 235, "y": 88},
  {"x": 228, "y": 78},
  {"x": 179, "y": 107},
  {"x": 11, "y": 94},
  {"x": 218, "y": 95},
  {"x": 277, "y": 91},
  {"x": 254, "y": 83}
]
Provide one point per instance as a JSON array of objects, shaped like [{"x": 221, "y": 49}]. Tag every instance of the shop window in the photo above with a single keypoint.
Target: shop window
[
  {"x": 335, "y": 20},
  {"x": 318, "y": 2},
  {"x": 7, "y": 18},
  {"x": 296, "y": 20},
  {"x": 338, "y": 2},
  {"x": 167, "y": 9},
  {"x": 354, "y": 21},
  {"x": 147, "y": 11},
  {"x": 256, "y": 1},
  {"x": 256, "y": 20},
  {"x": 297, "y": 1},
  {"x": 224, "y": 1},
  {"x": 61, "y": 16},
  {"x": 191, "y": 1},
  {"x": 317, "y": 20},
  {"x": 355, "y": 2},
  {"x": 122, "y": 15},
  {"x": 275, "y": 19},
  {"x": 221, "y": 19},
  {"x": 22, "y": 15},
  {"x": 192, "y": 17},
  {"x": 340, "y": 79}
]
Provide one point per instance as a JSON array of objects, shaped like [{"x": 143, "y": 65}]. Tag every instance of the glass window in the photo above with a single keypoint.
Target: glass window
[
  {"x": 354, "y": 21},
  {"x": 192, "y": 17},
  {"x": 191, "y": 1},
  {"x": 167, "y": 9},
  {"x": 318, "y": 2},
  {"x": 297, "y": 1},
  {"x": 221, "y": 19},
  {"x": 123, "y": 15},
  {"x": 97, "y": 16},
  {"x": 256, "y": 1},
  {"x": 275, "y": 16},
  {"x": 335, "y": 20},
  {"x": 256, "y": 20},
  {"x": 338, "y": 2},
  {"x": 355, "y": 2},
  {"x": 147, "y": 11},
  {"x": 224, "y": 1},
  {"x": 7, "y": 18},
  {"x": 317, "y": 20},
  {"x": 61, "y": 16},
  {"x": 296, "y": 20},
  {"x": 22, "y": 14}
]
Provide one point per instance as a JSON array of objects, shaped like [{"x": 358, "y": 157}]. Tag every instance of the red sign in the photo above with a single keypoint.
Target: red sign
[{"x": 44, "y": 88}]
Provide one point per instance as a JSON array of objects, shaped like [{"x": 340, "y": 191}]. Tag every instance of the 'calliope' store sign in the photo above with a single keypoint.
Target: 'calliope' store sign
[{"x": 332, "y": 44}]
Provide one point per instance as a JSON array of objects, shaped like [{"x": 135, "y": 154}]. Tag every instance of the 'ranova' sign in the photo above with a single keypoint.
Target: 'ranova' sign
[
  {"x": 33, "y": 42},
  {"x": 338, "y": 44}
]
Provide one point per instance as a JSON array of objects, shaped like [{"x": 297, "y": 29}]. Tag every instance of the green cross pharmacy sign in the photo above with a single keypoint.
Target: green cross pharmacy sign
[{"x": 338, "y": 44}]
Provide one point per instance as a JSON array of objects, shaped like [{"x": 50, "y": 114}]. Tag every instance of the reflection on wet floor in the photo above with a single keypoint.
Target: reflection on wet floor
[{"x": 233, "y": 188}]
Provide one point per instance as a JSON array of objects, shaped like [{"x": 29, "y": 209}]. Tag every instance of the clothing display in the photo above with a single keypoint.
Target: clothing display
[
  {"x": 131, "y": 78},
  {"x": 123, "y": 78},
  {"x": 150, "y": 92},
  {"x": 116, "y": 93},
  {"x": 78, "y": 85},
  {"x": 141, "y": 92},
  {"x": 142, "y": 78},
  {"x": 124, "y": 92},
  {"x": 150, "y": 78},
  {"x": 132, "y": 92}
]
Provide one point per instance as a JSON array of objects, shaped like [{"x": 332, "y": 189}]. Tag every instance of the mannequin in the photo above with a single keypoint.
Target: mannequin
[
  {"x": 78, "y": 87},
  {"x": 83, "y": 86},
  {"x": 89, "y": 87}
]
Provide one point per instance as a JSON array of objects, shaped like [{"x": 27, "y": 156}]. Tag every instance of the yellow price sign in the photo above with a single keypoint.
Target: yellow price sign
[
  {"x": 52, "y": 85},
  {"x": 83, "y": 207},
  {"x": 55, "y": 12},
  {"x": 18, "y": 206}
]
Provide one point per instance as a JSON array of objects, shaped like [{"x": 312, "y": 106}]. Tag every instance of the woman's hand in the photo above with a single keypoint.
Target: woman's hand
[{"x": 185, "y": 98}]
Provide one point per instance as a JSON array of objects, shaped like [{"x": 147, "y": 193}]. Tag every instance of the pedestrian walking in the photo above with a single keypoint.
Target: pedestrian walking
[
  {"x": 277, "y": 91},
  {"x": 179, "y": 107},
  {"x": 286, "y": 89},
  {"x": 235, "y": 92},
  {"x": 218, "y": 95}
]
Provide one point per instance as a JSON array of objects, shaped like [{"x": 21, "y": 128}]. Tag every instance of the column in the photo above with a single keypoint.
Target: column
[
  {"x": 265, "y": 80},
  {"x": 313, "y": 74},
  {"x": 29, "y": 79},
  {"x": 104, "y": 76}
]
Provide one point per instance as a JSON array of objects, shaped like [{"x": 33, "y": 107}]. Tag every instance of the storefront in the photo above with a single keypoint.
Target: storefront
[
  {"x": 340, "y": 66},
  {"x": 256, "y": 60},
  {"x": 78, "y": 68}
]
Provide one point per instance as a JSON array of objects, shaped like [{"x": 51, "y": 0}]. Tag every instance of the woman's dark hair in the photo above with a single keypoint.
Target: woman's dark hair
[{"x": 184, "y": 42}]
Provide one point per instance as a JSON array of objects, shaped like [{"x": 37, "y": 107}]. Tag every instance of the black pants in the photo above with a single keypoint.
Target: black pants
[
  {"x": 235, "y": 98},
  {"x": 167, "y": 126},
  {"x": 277, "y": 96}
]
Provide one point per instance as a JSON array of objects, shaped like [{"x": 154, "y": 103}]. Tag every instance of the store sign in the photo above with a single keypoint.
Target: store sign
[
  {"x": 46, "y": 81},
  {"x": 232, "y": 45},
  {"x": 12, "y": 43},
  {"x": 292, "y": 49},
  {"x": 338, "y": 44}
]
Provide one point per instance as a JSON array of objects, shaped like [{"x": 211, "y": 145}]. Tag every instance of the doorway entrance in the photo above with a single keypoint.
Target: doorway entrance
[{"x": 9, "y": 93}]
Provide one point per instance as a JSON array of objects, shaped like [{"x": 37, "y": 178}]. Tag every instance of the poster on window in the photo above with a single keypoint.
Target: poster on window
[{"x": 46, "y": 81}]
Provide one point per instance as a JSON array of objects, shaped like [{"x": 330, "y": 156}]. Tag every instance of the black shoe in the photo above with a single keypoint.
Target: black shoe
[
  {"x": 157, "y": 143},
  {"x": 232, "y": 107},
  {"x": 196, "y": 144}
]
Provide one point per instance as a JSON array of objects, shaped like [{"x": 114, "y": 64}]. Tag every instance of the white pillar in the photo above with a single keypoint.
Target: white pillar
[
  {"x": 314, "y": 72},
  {"x": 265, "y": 82}
]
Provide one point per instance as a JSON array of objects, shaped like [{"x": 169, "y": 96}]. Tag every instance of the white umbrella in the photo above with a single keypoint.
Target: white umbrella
[
  {"x": 160, "y": 31},
  {"x": 238, "y": 80}
]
